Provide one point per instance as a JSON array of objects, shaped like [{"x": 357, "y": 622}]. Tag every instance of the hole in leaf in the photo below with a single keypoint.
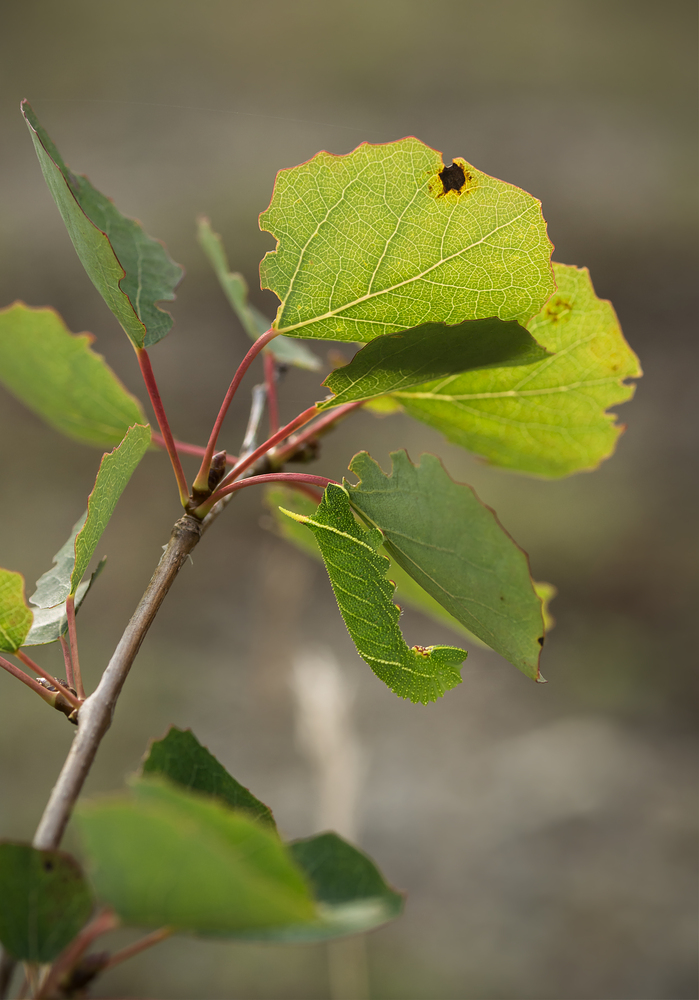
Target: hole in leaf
[
  {"x": 540, "y": 640},
  {"x": 453, "y": 178}
]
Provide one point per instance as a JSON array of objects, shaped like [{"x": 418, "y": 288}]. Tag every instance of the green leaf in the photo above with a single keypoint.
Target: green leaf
[
  {"x": 53, "y": 586},
  {"x": 374, "y": 242},
  {"x": 57, "y": 375},
  {"x": 358, "y": 576},
  {"x": 167, "y": 857},
  {"x": 181, "y": 758},
  {"x": 441, "y": 534},
  {"x": 351, "y": 893},
  {"x": 50, "y": 623},
  {"x": 547, "y": 419},
  {"x": 408, "y": 591},
  {"x": 15, "y": 616},
  {"x": 116, "y": 468},
  {"x": 432, "y": 350},
  {"x": 45, "y": 901},
  {"x": 130, "y": 270},
  {"x": 236, "y": 291}
]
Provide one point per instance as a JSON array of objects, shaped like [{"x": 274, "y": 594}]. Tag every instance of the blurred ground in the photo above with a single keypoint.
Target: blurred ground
[{"x": 545, "y": 835}]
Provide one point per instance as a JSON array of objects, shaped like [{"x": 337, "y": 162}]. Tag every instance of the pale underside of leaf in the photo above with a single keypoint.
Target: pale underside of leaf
[
  {"x": 51, "y": 623},
  {"x": 373, "y": 243},
  {"x": 58, "y": 376},
  {"x": 235, "y": 289},
  {"x": 132, "y": 271},
  {"x": 364, "y": 595},
  {"x": 549, "y": 418},
  {"x": 455, "y": 548}
]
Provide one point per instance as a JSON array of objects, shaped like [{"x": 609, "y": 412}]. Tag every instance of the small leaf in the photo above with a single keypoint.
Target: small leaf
[
  {"x": 45, "y": 901},
  {"x": 181, "y": 758},
  {"x": 382, "y": 239},
  {"x": 114, "y": 473},
  {"x": 351, "y": 893},
  {"x": 57, "y": 375},
  {"x": 358, "y": 576},
  {"x": 401, "y": 360},
  {"x": 167, "y": 857},
  {"x": 15, "y": 617},
  {"x": 455, "y": 548},
  {"x": 236, "y": 291},
  {"x": 547, "y": 419},
  {"x": 52, "y": 622},
  {"x": 130, "y": 270}
]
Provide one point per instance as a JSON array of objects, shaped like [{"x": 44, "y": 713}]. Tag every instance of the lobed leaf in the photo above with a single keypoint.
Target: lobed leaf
[
  {"x": 455, "y": 548},
  {"x": 57, "y": 375},
  {"x": 384, "y": 238},
  {"x": 45, "y": 901},
  {"x": 15, "y": 617},
  {"x": 168, "y": 857},
  {"x": 181, "y": 758},
  {"x": 130, "y": 270},
  {"x": 235, "y": 288},
  {"x": 364, "y": 595},
  {"x": 400, "y": 360},
  {"x": 550, "y": 418}
]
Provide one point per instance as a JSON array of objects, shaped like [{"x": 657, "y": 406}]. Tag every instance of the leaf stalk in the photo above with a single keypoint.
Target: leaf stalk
[{"x": 161, "y": 417}]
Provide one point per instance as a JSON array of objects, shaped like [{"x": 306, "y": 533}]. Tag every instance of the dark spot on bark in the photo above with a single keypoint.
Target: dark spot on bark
[
  {"x": 453, "y": 178},
  {"x": 540, "y": 640}
]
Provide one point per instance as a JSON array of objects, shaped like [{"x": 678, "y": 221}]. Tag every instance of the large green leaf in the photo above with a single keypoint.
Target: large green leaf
[
  {"x": 350, "y": 891},
  {"x": 169, "y": 857},
  {"x": 15, "y": 616},
  {"x": 181, "y": 758},
  {"x": 235, "y": 288},
  {"x": 130, "y": 270},
  {"x": 364, "y": 595},
  {"x": 58, "y": 375},
  {"x": 548, "y": 419},
  {"x": 401, "y": 360},
  {"x": 44, "y": 901},
  {"x": 441, "y": 534},
  {"x": 387, "y": 238}
]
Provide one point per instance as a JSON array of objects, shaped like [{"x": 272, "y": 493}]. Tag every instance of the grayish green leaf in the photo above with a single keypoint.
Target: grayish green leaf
[
  {"x": 130, "y": 270},
  {"x": 455, "y": 548},
  {"x": 433, "y": 350},
  {"x": 51, "y": 623},
  {"x": 376, "y": 242},
  {"x": 45, "y": 901},
  {"x": 235, "y": 288},
  {"x": 181, "y": 758},
  {"x": 364, "y": 595}
]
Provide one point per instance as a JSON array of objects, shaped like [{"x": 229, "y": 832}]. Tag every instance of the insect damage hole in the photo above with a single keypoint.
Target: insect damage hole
[{"x": 453, "y": 178}]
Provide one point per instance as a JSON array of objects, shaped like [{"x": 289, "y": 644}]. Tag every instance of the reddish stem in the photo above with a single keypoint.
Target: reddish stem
[
  {"x": 321, "y": 426},
  {"x": 272, "y": 477},
  {"x": 202, "y": 480},
  {"x": 157, "y": 404},
  {"x": 106, "y": 920},
  {"x": 138, "y": 946},
  {"x": 68, "y": 695},
  {"x": 250, "y": 459},
  {"x": 73, "y": 636},
  {"x": 29, "y": 681},
  {"x": 187, "y": 449},
  {"x": 271, "y": 383},
  {"x": 65, "y": 648}
]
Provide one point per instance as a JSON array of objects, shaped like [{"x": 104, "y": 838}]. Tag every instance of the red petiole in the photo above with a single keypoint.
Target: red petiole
[
  {"x": 157, "y": 404},
  {"x": 68, "y": 695},
  {"x": 291, "y": 478}
]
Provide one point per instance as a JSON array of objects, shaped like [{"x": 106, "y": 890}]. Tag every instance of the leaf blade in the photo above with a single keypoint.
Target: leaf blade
[
  {"x": 364, "y": 595},
  {"x": 549, "y": 419},
  {"x": 45, "y": 901},
  {"x": 130, "y": 270},
  {"x": 454, "y": 547},
  {"x": 15, "y": 617},
  {"x": 373, "y": 243},
  {"x": 398, "y": 361}
]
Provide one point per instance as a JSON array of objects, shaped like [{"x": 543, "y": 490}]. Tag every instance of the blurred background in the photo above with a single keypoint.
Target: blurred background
[{"x": 544, "y": 834}]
